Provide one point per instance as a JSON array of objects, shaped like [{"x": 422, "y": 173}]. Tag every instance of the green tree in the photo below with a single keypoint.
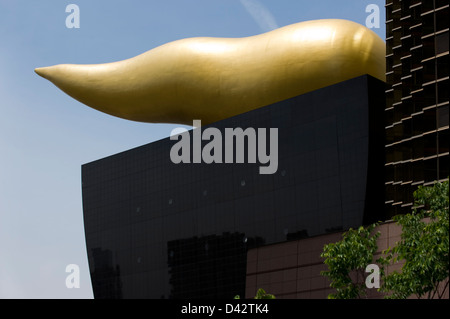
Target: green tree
[
  {"x": 423, "y": 250},
  {"x": 349, "y": 256},
  {"x": 260, "y": 294},
  {"x": 424, "y": 247}
]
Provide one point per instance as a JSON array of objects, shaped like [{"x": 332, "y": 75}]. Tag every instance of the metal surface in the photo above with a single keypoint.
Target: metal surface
[{"x": 215, "y": 78}]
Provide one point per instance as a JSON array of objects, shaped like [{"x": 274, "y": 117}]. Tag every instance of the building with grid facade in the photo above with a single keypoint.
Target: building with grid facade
[{"x": 417, "y": 98}]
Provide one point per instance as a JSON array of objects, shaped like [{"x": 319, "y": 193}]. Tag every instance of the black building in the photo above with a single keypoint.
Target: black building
[
  {"x": 417, "y": 75},
  {"x": 155, "y": 229}
]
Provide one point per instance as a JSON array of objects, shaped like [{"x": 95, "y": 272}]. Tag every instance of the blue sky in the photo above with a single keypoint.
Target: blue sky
[{"x": 45, "y": 136}]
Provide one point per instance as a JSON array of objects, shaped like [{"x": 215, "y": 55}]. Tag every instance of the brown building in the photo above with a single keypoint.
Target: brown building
[
  {"x": 417, "y": 118},
  {"x": 291, "y": 270}
]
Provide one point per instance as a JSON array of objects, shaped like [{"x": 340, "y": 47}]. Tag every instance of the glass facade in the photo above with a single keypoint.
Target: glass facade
[
  {"x": 417, "y": 75},
  {"x": 155, "y": 229}
]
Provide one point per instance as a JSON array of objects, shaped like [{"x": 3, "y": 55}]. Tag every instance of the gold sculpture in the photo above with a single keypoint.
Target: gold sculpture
[{"x": 215, "y": 78}]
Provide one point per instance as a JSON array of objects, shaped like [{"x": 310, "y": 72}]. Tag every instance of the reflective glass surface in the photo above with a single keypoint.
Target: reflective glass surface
[{"x": 155, "y": 229}]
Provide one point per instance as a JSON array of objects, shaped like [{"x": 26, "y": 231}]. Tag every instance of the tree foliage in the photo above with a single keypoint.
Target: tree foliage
[
  {"x": 423, "y": 251},
  {"x": 260, "y": 294},
  {"x": 350, "y": 255},
  {"x": 424, "y": 247}
]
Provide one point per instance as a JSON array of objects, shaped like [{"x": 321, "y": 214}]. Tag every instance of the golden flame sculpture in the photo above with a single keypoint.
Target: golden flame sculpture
[{"x": 215, "y": 78}]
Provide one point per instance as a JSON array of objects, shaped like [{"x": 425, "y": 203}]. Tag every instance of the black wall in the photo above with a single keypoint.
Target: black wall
[{"x": 155, "y": 229}]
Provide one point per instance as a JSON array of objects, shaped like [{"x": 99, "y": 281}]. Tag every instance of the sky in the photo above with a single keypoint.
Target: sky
[{"x": 45, "y": 136}]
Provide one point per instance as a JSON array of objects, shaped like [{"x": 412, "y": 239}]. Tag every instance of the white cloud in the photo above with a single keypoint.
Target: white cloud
[{"x": 260, "y": 14}]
